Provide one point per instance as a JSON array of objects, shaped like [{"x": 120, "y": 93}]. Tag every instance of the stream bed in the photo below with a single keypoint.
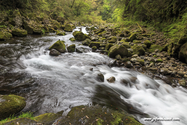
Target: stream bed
[{"x": 53, "y": 84}]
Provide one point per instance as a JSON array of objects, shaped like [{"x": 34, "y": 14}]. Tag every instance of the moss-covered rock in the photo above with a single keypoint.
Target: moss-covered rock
[
  {"x": 112, "y": 39},
  {"x": 99, "y": 30},
  {"x": 94, "y": 48},
  {"x": 137, "y": 49},
  {"x": 97, "y": 44},
  {"x": 72, "y": 39},
  {"x": 86, "y": 42},
  {"x": 59, "y": 46},
  {"x": 71, "y": 48},
  {"x": 22, "y": 121},
  {"x": 97, "y": 115},
  {"x": 159, "y": 60},
  {"x": 118, "y": 49},
  {"x": 34, "y": 27},
  {"x": 10, "y": 104},
  {"x": 19, "y": 32},
  {"x": 133, "y": 37},
  {"x": 69, "y": 27},
  {"x": 183, "y": 53},
  {"x": 108, "y": 45},
  {"x": 47, "y": 118},
  {"x": 147, "y": 43},
  {"x": 80, "y": 36},
  {"x": 154, "y": 47},
  {"x": 60, "y": 32},
  {"x": 5, "y": 35}
]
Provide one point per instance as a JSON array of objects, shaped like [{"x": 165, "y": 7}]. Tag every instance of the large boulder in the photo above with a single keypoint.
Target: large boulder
[
  {"x": 19, "y": 32},
  {"x": 118, "y": 49},
  {"x": 59, "y": 46},
  {"x": 5, "y": 35},
  {"x": 137, "y": 49},
  {"x": 183, "y": 53},
  {"x": 71, "y": 48},
  {"x": 69, "y": 27},
  {"x": 79, "y": 35},
  {"x": 10, "y": 104}
]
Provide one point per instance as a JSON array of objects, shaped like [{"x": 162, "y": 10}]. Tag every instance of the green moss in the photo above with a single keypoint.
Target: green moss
[
  {"x": 136, "y": 41},
  {"x": 108, "y": 45},
  {"x": 154, "y": 47},
  {"x": 159, "y": 60},
  {"x": 141, "y": 61},
  {"x": 69, "y": 27},
  {"x": 48, "y": 118},
  {"x": 19, "y": 32},
  {"x": 71, "y": 48},
  {"x": 100, "y": 121},
  {"x": 10, "y": 105},
  {"x": 86, "y": 42},
  {"x": 100, "y": 34},
  {"x": 59, "y": 46}
]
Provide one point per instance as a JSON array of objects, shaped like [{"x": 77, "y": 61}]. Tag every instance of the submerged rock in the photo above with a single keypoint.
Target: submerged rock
[
  {"x": 100, "y": 77},
  {"x": 10, "y": 104},
  {"x": 59, "y": 46}
]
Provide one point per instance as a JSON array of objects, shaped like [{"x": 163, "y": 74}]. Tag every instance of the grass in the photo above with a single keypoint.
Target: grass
[{"x": 23, "y": 115}]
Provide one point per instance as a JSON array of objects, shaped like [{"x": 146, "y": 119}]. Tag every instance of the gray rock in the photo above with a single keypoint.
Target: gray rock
[
  {"x": 111, "y": 79},
  {"x": 54, "y": 52}
]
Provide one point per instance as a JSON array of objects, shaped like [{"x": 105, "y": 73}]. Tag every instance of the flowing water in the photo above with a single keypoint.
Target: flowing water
[{"x": 53, "y": 84}]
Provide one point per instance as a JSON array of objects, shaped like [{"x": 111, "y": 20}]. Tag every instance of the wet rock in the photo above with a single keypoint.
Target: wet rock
[
  {"x": 182, "y": 82},
  {"x": 97, "y": 44},
  {"x": 94, "y": 38},
  {"x": 124, "y": 82},
  {"x": 112, "y": 39},
  {"x": 10, "y": 104},
  {"x": 108, "y": 46},
  {"x": 71, "y": 48},
  {"x": 59, "y": 46},
  {"x": 19, "y": 32},
  {"x": 128, "y": 64},
  {"x": 78, "y": 51},
  {"x": 118, "y": 57},
  {"x": 80, "y": 36},
  {"x": 118, "y": 49},
  {"x": 111, "y": 79},
  {"x": 164, "y": 71},
  {"x": 100, "y": 77},
  {"x": 54, "y": 52}
]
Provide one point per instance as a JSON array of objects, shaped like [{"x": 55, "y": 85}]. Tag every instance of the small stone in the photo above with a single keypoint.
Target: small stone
[
  {"x": 54, "y": 52},
  {"x": 111, "y": 79}
]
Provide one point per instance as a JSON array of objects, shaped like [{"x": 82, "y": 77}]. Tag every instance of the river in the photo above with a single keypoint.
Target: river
[{"x": 53, "y": 84}]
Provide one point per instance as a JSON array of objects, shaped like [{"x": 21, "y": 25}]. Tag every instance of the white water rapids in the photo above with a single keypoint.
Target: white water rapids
[{"x": 67, "y": 81}]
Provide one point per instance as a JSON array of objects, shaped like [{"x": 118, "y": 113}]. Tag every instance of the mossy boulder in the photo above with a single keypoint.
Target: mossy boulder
[
  {"x": 137, "y": 49},
  {"x": 97, "y": 115},
  {"x": 48, "y": 118},
  {"x": 118, "y": 49},
  {"x": 60, "y": 32},
  {"x": 59, "y": 46},
  {"x": 86, "y": 42},
  {"x": 183, "y": 53},
  {"x": 72, "y": 39},
  {"x": 19, "y": 32},
  {"x": 69, "y": 27},
  {"x": 80, "y": 36},
  {"x": 5, "y": 35},
  {"x": 112, "y": 39},
  {"x": 97, "y": 44},
  {"x": 147, "y": 43},
  {"x": 34, "y": 27},
  {"x": 10, "y": 104},
  {"x": 133, "y": 37},
  {"x": 71, "y": 48}
]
